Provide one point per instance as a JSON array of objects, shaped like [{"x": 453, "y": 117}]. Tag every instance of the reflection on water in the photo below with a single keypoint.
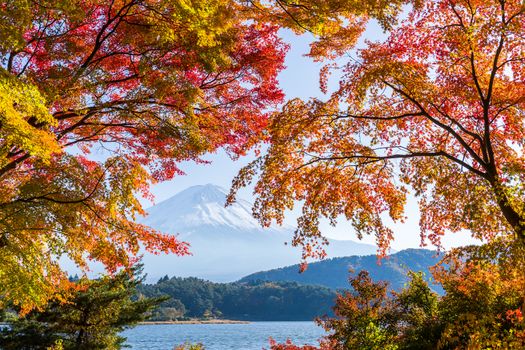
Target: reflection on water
[{"x": 252, "y": 336}]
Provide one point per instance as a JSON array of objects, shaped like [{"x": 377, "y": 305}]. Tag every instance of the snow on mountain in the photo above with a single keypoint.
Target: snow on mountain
[
  {"x": 227, "y": 243},
  {"x": 198, "y": 206}
]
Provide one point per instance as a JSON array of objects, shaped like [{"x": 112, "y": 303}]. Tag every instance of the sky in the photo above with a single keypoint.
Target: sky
[{"x": 299, "y": 79}]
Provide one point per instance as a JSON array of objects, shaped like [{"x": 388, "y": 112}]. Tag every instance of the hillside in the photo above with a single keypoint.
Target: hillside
[
  {"x": 253, "y": 301},
  {"x": 333, "y": 273},
  {"x": 282, "y": 294}
]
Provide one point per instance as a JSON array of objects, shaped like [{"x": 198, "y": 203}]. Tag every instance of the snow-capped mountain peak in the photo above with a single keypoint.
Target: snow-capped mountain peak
[
  {"x": 226, "y": 242},
  {"x": 197, "y": 206}
]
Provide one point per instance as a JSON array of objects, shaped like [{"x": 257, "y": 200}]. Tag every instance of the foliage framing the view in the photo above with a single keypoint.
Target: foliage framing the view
[
  {"x": 151, "y": 83},
  {"x": 436, "y": 107}
]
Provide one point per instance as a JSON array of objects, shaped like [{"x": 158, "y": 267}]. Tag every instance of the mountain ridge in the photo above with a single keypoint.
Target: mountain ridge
[
  {"x": 282, "y": 294},
  {"x": 333, "y": 273}
]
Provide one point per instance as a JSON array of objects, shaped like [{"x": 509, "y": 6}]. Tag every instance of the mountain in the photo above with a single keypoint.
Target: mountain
[
  {"x": 281, "y": 294},
  {"x": 226, "y": 242},
  {"x": 333, "y": 273}
]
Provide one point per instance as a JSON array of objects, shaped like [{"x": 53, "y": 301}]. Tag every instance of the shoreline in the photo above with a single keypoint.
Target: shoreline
[{"x": 194, "y": 322}]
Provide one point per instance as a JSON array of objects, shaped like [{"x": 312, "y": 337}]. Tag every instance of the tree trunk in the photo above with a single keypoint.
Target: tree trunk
[
  {"x": 80, "y": 338},
  {"x": 515, "y": 220}
]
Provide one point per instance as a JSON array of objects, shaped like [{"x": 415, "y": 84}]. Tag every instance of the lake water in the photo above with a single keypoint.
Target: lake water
[{"x": 251, "y": 336}]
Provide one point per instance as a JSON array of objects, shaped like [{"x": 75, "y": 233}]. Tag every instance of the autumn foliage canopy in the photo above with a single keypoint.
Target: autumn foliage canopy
[
  {"x": 436, "y": 108},
  {"x": 151, "y": 83}
]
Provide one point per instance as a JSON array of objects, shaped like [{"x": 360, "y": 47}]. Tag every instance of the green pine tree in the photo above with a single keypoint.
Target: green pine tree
[{"x": 92, "y": 319}]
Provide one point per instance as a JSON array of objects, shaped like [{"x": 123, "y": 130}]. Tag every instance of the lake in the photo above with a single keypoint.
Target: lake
[{"x": 251, "y": 336}]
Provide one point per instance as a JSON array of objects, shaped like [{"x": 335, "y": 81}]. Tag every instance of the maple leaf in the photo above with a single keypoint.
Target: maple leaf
[
  {"x": 151, "y": 82},
  {"x": 436, "y": 108}
]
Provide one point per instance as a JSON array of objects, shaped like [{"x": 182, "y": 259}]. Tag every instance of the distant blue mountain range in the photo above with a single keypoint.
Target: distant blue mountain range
[
  {"x": 282, "y": 294},
  {"x": 333, "y": 273}
]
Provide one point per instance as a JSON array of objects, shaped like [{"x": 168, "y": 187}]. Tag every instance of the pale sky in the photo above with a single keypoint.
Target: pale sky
[{"x": 299, "y": 79}]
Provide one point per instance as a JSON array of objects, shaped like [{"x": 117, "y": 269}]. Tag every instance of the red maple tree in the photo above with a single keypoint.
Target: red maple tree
[{"x": 150, "y": 82}]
